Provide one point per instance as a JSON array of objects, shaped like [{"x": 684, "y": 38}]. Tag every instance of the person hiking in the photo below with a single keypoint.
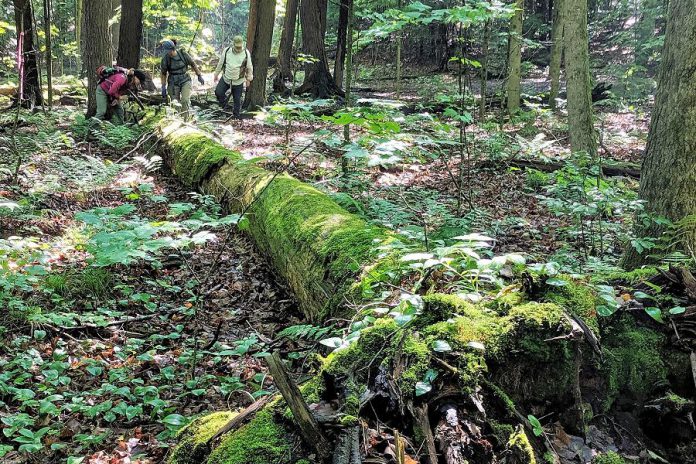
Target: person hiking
[
  {"x": 237, "y": 71},
  {"x": 114, "y": 85},
  {"x": 176, "y": 82}
]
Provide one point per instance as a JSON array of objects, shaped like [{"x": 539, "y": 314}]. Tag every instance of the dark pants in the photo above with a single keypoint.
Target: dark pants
[{"x": 221, "y": 94}]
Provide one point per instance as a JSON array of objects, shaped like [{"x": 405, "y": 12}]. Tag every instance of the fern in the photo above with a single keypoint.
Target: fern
[{"x": 305, "y": 332}]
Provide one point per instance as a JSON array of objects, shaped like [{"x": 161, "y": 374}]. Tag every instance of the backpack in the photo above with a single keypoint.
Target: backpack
[
  {"x": 242, "y": 68},
  {"x": 104, "y": 72}
]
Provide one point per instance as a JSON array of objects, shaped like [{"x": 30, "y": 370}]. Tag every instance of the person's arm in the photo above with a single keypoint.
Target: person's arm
[
  {"x": 195, "y": 68},
  {"x": 163, "y": 75}
]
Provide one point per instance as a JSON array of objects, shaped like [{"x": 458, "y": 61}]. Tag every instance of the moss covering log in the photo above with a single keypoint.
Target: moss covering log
[{"x": 314, "y": 244}]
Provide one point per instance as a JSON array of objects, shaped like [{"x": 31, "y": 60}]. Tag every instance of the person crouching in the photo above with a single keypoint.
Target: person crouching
[{"x": 113, "y": 89}]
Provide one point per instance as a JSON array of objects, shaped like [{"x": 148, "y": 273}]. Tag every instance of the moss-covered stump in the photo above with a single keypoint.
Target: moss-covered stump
[{"x": 314, "y": 244}]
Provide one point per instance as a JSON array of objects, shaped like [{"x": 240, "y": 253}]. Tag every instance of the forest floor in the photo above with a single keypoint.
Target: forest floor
[
  {"x": 123, "y": 347},
  {"x": 117, "y": 356}
]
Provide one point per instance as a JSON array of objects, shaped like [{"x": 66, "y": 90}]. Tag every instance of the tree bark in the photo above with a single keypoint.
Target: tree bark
[
  {"x": 577, "y": 65},
  {"x": 318, "y": 80},
  {"x": 556, "y": 51},
  {"x": 115, "y": 25},
  {"x": 97, "y": 46},
  {"x": 251, "y": 25},
  {"x": 263, "y": 30},
  {"x": 484, "y": 67},
  {"x": 130, "y": 34},
  {"x": 285, "y": 50},
  {"x": 515, "y": 58},
  {"x": 341, "y": 35},
  {"x": 30, "y": 88},
  {"x": 668, "y": 174},
  {"x": 49, "y": 51}
]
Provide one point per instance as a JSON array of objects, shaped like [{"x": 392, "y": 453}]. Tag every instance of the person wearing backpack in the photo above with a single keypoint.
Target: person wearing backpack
[
  {"x": 237, "y": 71},
  {"x": 115, "y": 84},
  {"x": 176, "y": 82}
]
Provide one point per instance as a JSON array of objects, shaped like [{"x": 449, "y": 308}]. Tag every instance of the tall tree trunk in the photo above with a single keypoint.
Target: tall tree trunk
[
  {"x": 515, "y": 58},
  {"x": 285, "y": 50},
  {"x": 130, "y": 34},
  {"x": 97, "y": 46},
  {"x": 556, "y": 51},
  {"x": 251, "y": 24},
  {"x": 78, "y": 34},
  {"x": 341, "y": 34},
  {"x": 115, "y": 25},
  {"x": 49, "y": 51},
  {"x": 30, "y": 88},
  {"x": 484, "y": 67},
  {"x": 263, "y": 31},
  {"x": 577, "y": 65},
  {"x": 668, "y": 175},
  {"x": 318, "y": 80},
  {"x": 399, "y": 44}
]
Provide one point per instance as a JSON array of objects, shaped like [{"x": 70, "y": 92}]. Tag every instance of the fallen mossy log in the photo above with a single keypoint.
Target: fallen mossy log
[
  {"x": 610, "y": 170},
  {"x": 458, "y": 379},
  {"x": 315, "y": 245}
]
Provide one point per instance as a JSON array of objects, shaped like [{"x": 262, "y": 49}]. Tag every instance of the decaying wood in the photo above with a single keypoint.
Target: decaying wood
[
  {"x": 692, "y": 358},
  {"x": 420, "y": 414},
  {"x": 399, "y": 448},
  {"x": 688, "y": 280},
  {"x": 609, "y": 171},
  {"x": 240, "y": 419},
  {"x": 308, "y": 425},
  {"x": 348, "y": 447}
]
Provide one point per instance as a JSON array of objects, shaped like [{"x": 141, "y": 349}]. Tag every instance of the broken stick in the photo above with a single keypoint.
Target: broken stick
[{"x": 308, "y": 425}]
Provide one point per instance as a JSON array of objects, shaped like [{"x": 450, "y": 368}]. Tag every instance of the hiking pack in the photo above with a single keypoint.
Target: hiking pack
[{"x": 104, "y": 72}]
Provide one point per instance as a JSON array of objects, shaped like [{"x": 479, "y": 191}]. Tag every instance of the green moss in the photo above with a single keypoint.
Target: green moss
[
  {"x": 441, "y": 307},
  {"x": 192, "y": 439},
  {"x": 633, "y": 277},
  {"x": 501, "y": 431},
  {"x": 261, "y": 441},
  {"x": 197, "y": 155},
  {"x": 519, "y": 446},
  {"x": 609, "y": 457},
  {"x": 318, "y": 247},
  {"x": 633, "y": 360},
  {"x": 375, "y": 345},
  {"x": 417, "y": 355},
  {"x": 578, "y": 298}
]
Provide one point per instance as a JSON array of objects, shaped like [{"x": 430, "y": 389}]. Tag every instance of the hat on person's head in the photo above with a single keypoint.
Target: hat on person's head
[
  {"x": 238, "y": 41},
  {"x": 168, "y": 45}
]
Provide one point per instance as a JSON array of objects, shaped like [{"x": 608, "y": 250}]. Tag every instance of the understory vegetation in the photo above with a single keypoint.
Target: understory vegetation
[{"x": 436, "y": 234}]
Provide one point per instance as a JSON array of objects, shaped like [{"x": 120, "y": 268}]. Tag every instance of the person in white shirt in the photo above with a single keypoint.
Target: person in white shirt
[{"x": 237, "y": 71}]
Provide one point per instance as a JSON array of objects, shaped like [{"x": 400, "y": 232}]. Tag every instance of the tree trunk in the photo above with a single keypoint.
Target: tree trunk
[
  {"x": 130, "y": 34},
  {"x": 30, "y": 88},
  {"x": 78, "y": 34},
  {"x": 285, "y": 50},
  {"x": 515, "y": 58},
  {"x": 341, "y": 34},
  {"x": 97, "y": 46},
  {"x": 577, "y": 66},
  {"x": 115, "y": 25},
  {"x": 556, "y": 51},
  {"x": 668, "y": 174},
  {"x": 318, "y": 80},
  {"x": 251, "y": 24},
  {"x": 263, "y": 30},
  {"x": 49, "y": 51},
  {"x": 484, "y": 67}
]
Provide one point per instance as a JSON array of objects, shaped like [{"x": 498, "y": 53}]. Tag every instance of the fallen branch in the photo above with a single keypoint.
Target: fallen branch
[
  {"x": 239, "y": 419},
  {"x": 308, "y": 425}
]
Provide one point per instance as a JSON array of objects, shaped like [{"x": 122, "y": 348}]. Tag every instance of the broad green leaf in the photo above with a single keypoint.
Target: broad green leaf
[{"x": 441, "y": 346}]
